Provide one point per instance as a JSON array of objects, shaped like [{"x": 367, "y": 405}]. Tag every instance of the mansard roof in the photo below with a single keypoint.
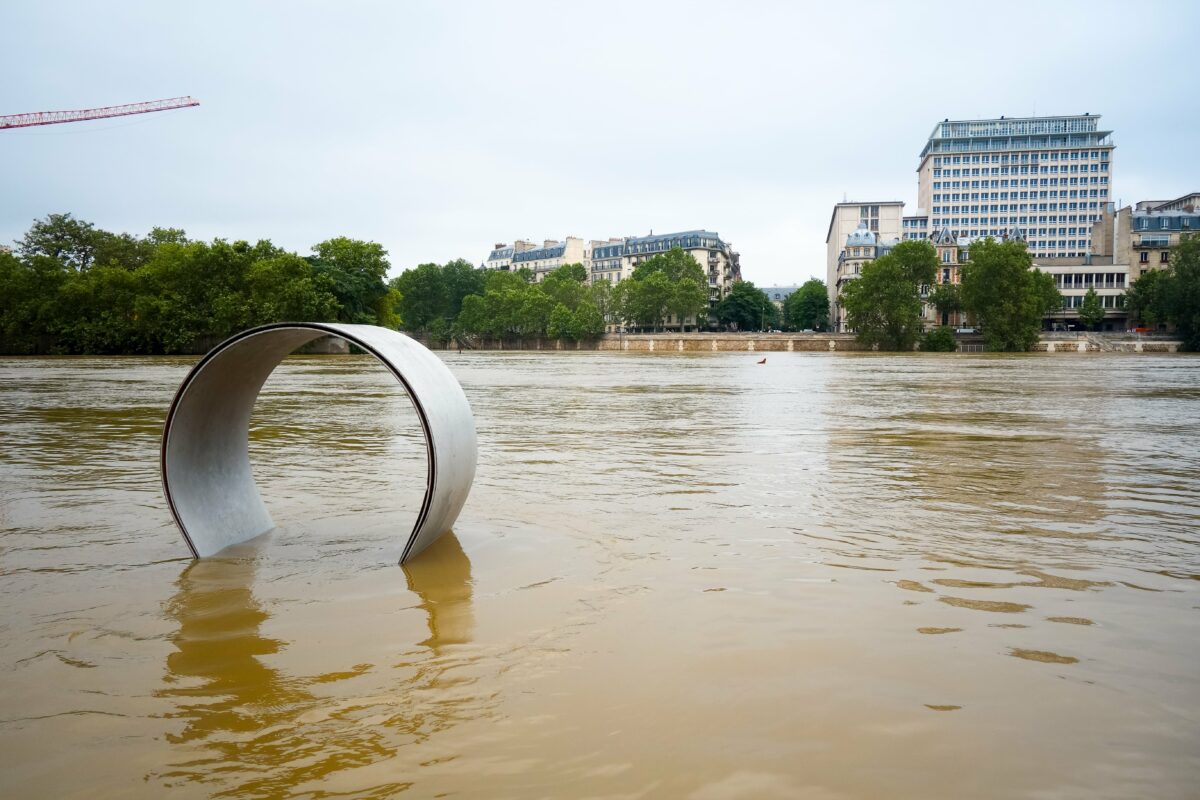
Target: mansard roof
[{"x": 861, "y": 236}]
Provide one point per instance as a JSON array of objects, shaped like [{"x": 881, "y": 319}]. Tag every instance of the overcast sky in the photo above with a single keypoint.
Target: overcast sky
[{"x": 440, "y": 128}]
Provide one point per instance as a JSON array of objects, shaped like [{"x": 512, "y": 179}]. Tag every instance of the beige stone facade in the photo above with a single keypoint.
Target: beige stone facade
[
  {"x": 538, "y": 259},
  {"x": 860, "y": 246},
  {"x": 951, "y": 252},
  {"x": 882, "y": 218},
  {"x": 616, "y": 259},
  {"x": 1075, "y": 276},
  {"x": 1147, "y": 233}
]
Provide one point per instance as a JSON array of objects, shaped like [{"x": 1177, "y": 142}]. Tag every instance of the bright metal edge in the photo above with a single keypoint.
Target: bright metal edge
[{"x": 333, "y": 330}]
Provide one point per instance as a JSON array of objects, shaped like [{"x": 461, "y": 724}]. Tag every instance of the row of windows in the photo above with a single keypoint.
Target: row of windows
[
  {"x": 1009, "y": 144},
  {"x": 1062, "y": 244},
  {"x": 1020, "y": 207},
  {"x": 656, "y": 246},
  {"x": 978, "y": 172},
  {"x": 542, "y": 253},
  {"x": 1069, "y": 231},
  {"x": 1163, "y": 258},
  {"x": 1052, "y": 194},
  {"x": 1090, "y": 280},
  {"x": 1005, "y": 208},
  {"x": 1106, "y": 301},
  {"x": 1018, "y": 220},
  {"x": 1020, "y": 127},
  {"x": 1021, "y": 158},
  {"x": 1165, "y": 223},
  {"x": 1023, "y": 184}
]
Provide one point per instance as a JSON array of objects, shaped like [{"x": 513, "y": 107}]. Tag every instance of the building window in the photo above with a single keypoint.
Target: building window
[
  {"x": 1145, "y": 259},
  {"x": 1163, "y": 257}
]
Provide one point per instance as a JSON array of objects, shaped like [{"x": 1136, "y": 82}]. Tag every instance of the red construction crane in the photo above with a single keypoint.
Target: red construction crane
[{"x": 55, "y": 117}]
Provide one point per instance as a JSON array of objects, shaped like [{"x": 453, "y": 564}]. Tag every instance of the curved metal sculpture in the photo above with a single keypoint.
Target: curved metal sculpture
[{"x": 205, "y": 458}]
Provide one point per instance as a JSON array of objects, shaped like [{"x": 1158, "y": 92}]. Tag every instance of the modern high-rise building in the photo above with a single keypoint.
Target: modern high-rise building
[{"x": 1048, "y": 176}]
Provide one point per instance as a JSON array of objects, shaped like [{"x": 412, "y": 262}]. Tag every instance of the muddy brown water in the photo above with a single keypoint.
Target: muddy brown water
[{"x": 676, "y": 576}]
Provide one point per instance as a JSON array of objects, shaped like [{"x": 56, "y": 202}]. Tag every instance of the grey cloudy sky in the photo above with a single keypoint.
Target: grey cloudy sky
[{"x": 440, "y": 128}]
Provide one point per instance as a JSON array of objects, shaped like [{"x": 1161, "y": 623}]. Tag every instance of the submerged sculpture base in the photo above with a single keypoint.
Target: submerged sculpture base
[{"x": 205, "y": 457}]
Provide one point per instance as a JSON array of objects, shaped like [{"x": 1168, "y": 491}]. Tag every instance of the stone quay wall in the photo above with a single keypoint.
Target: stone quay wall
[{"x": 1056, "y": 343}]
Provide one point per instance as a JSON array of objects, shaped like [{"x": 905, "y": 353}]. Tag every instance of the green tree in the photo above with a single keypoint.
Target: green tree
[
  {"x": 566, "y": 285},
  {"x": 642, "y": 303},
  {"x": 285, "y": 288},
  {"x": 676, "y": 264},
  {"x": 355, "y": 270},
  {"x": 69, "y": 241},
  {"x": 472, "y": 319},
  {"x": 1004, "y": 293},
  {"x": 600, "y": 295},
  {"x": 884, "y": 303},
  {"x": 939, "y": 340},
  {"x": 946, "y": 298},
  {"x": 1148, "y": 298},
  {"x": 689, "y": 300},
  {"x": 460, "y": 279},
  {"x": 807, "y": 308},
  {"x": 1091, "y": 313},
  {"x": 747, "y": 307},
  {"x": 97, "y": 312},
  {"x": 423, "y": 296},
  {"x": 159, "y": 236},
  {"x": 78, "y": 289},
  {"x": 29, "y": 302},
  {"x": 1185, "y": 290},
  {"x": 587, "y": 322},
  {"x": 534, "y": 314},
  {"x": 688, "y": 296},
  {"x": 561, "y": 323}
]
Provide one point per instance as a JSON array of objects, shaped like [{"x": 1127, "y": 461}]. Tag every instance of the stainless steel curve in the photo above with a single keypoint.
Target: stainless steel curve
[{"x": 205, "y": 460}]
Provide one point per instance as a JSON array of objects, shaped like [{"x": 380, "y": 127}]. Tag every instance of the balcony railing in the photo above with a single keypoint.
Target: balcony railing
[{"x": 1153, "y": 241}]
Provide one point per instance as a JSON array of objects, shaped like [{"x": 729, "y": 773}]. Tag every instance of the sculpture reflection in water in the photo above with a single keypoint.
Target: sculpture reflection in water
[
  {"x": 251, "y": 730},
  {"x": 442, "y": 579}
]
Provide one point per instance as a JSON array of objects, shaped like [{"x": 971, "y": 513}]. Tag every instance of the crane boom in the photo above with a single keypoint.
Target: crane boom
[{"x": 55, "y": 117}]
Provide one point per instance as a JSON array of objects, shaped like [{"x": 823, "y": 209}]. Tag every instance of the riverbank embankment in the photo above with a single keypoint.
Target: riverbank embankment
[{"x": 1057, "y": 343}]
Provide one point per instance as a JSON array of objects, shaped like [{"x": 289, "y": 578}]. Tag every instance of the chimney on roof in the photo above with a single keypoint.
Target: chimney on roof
[
  {"x": 499, "y": 246},
  {"x": 549, "y": 243}
]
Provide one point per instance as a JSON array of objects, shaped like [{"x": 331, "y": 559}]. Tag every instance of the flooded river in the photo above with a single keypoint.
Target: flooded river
[{"x": 829, "y": 576}]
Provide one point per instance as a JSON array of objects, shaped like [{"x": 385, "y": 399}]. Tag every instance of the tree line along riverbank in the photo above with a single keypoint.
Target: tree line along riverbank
[{"x": 72, "y": 288}]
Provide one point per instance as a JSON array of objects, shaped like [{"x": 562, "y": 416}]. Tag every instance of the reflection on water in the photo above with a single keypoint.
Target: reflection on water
[
  {"x": 217, "y": 670},
  {"x": 261, "y": 731},
  {"x": 442, "y": 579},
  {"x": 677, "y": 576}
]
